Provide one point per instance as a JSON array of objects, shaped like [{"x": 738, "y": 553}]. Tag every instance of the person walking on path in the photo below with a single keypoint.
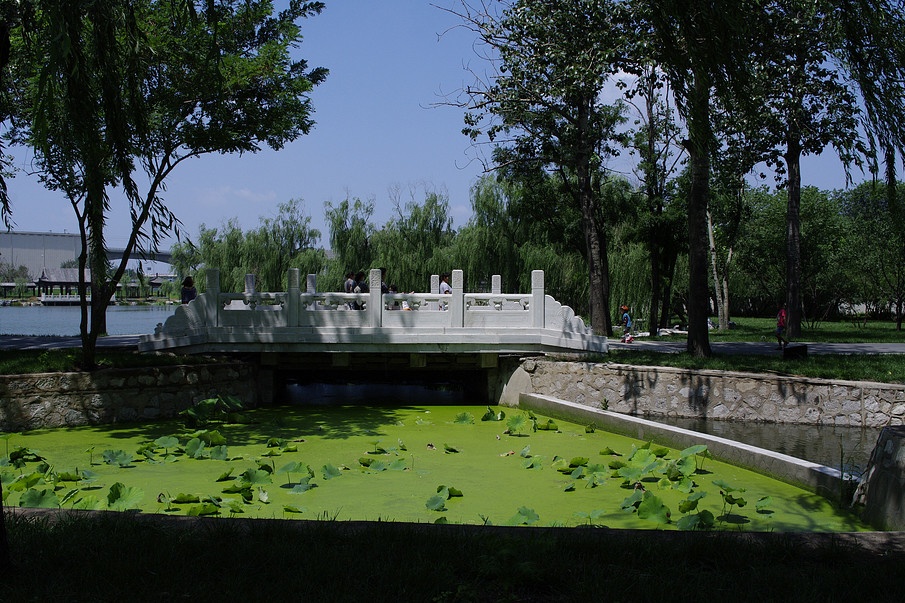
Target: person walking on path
[
  {"x": 781, "y": 317},
  {"x": 626, "y": 326}
]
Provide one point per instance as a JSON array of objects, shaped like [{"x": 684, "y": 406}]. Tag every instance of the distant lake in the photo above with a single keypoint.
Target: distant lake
[{"x": 64, "y": 320}]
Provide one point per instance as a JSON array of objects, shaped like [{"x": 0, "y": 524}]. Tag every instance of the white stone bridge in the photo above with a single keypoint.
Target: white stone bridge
[{"x": 313, "y": 321}]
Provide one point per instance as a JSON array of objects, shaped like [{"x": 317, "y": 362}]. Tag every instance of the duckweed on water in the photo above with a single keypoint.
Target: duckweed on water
[{"x": 417, "y": 464}]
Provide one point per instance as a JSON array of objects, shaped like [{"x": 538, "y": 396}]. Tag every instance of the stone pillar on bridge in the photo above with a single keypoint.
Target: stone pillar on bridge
[
  {"x": 537, "y": 299},
  {"x": 457, "y": 301},
  {"x": 375, "y": 299},
  {"x": 496, "y": 284},
  {"x": 211, "y": 297},
  {"x": 292, "y": 298}
]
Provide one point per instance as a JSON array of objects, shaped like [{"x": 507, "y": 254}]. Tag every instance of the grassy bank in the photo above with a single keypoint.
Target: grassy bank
[
  {"x": 882, "y": 368},
  {"x": 116, "y": 557},
  {"x": 24, "y": 362}
]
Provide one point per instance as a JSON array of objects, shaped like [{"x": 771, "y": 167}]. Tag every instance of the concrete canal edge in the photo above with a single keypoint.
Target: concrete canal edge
[{"x": 819, "y": 479}]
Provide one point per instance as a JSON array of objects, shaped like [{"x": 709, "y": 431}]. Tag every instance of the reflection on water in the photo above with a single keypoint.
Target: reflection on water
[
  {"x": 64, "y": 320},
  {"x": 374, "y": 394},
  {"x": 830, "y": 445}
]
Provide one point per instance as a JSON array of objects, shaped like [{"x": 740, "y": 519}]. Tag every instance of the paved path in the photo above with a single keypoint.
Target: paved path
[
  {"x": 766, "y": 348},
  {"x": 17, "y": 342},
  {"x": 31, "y": 342}
]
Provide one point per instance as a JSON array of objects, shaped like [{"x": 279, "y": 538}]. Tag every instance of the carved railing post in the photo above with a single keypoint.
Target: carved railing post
[
  {"x": 537, "y": 299},
  {"x": 292, "y": 297},
  {"x": 496, "y": 284},
  {"x": 457, "y": 303},
  {"x": 212, "y": 306},
  {"x": 375, "y": 300}
]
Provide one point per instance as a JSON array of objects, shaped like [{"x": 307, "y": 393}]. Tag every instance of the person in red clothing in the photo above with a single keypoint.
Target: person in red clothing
[{"x": 781, "y": 327}]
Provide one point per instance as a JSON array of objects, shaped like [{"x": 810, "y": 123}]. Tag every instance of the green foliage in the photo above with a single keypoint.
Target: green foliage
[
  {"x": 464, "y": 418},
  {"x": 524, "y": 516},
  {"x": 491, "y": 415},
  {"x": 210, "y": 410},
  {"x": 516, "y": 424},
  {"x": 120, "y": 458}
]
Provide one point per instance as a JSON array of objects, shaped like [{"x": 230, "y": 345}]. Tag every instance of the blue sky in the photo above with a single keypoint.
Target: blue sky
[{"x": 378, "y": 136}]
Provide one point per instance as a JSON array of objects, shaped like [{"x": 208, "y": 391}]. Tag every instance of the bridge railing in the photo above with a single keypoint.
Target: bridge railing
[{"x": 323, "y": 310}]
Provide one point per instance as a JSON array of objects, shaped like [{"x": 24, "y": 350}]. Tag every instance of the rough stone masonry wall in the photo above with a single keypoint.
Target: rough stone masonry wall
[
  {"x": 662, "y": 391},
  {"x": 47, "y": 400}
]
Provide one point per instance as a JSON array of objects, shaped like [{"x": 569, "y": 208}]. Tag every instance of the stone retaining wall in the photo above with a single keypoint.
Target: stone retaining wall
[
  {"x": 47, "y": 400},
  {"x": 663, "y": 391}
]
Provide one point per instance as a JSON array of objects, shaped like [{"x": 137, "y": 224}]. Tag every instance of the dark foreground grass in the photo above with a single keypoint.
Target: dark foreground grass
[{"x": 118, "y": 557}]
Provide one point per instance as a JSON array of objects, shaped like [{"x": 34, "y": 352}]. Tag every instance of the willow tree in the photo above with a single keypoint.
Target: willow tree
[
  {"x": 806, "y": 106},
  {"x": 542, "y": 105},
  {"x": 114, "y": 94}
]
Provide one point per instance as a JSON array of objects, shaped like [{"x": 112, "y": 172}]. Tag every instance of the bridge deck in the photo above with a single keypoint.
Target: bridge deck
[{"x": 293, "y": 321}]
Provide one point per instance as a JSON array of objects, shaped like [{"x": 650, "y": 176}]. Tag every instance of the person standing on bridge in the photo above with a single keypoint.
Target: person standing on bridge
[
  {"x": 445, "y": 289},
  {"x": 188, "y": 290}
]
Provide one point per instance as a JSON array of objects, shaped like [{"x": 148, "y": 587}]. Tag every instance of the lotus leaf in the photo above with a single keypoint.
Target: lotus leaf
[
  {"x": 464, "y": 418},
  {"x": 490, "y": 415},
  {"x": 726, "y": 487},
  {"x": 609, "y": 452},
  {"x": 118, "y": 457},
  {"x": 524, "y": 516},
  {"x": 436, "y": 503},
  {"x": 561, "y": 465},
  {"x": 579, "y": 461},
  {"x": 330, "y": 471},
  {"x": 398, "y": 465},
  {"x": 632, "y": 502},
  {"x": 226, "y": 476},
  {"x": 219, "y": 453},
  {"x": 186, "y": 499},
  {"x": 762, "y": 504},
  {"x": 40, "y": 499},
  {"x": 166, "y": 442},
  {"x": 69, "y": 476},
  {"x": 660, "y": 451},
  {"x": 378, "y": 466},
  {"x": 124, "y": 498},
  {"x": 570, "y": 487},
  {"x": 202, "y": 510},
  {"x": 195, "y": 448},
  {"x": 291, "y": 509},
  {"x": 516, "y": 424},
  {"x": 254, "y": 477},
  {"x": 653, "y": 509},
  {"x": 87, "y": 503},
  {"x": 450, "y": 449},
  {"x": 693, "y": 450},
  {"x": 526, "y": 452},
  {"x": 302, "y": 487}
]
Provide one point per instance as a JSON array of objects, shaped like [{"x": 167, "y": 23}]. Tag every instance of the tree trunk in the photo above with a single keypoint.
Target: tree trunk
[
  {"x": 720, "y": 278},
  {"x": 793, "y": 238},
  {"x": 699, "y": 135},
  {"x": 598, "y": 270}
]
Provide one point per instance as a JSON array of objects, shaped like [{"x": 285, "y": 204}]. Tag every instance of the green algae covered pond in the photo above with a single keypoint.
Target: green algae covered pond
[{"x": 455, "y": 464}]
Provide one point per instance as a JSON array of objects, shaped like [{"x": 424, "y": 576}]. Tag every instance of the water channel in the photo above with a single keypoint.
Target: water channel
[{"x": 834, "y": 446}]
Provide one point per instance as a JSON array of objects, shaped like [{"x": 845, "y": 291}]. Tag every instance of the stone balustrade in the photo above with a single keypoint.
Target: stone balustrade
[{"x": 326, "y": 321}]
